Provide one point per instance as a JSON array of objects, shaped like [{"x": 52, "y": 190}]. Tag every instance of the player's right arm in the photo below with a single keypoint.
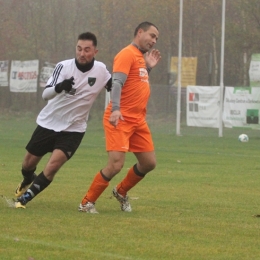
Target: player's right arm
[
  {"x": 118, "y": 82},
  {"x": 121, "y": 67}
]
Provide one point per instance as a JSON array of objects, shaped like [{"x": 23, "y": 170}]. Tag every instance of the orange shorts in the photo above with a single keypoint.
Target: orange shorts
[{"x": 128, "y": 136}]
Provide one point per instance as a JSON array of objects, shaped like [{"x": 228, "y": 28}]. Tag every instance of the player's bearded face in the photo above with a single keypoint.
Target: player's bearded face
[{"x": 85, "y": 51}]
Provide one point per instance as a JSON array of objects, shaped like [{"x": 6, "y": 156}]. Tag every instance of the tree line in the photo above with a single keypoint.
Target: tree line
[{"x": 47, "y": 30}]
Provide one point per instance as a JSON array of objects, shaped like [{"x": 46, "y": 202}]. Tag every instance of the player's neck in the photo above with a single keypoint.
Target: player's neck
[
  {"x": 85, "y": 67},
  {"x": 142, "y": 51}
]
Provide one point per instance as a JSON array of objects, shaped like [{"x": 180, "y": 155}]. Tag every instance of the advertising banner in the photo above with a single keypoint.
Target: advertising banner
[
  {"x": 188, "y": 70},
  {"x": 4, "y": 73},
  {"x": 46, "y": 73},
  {"x": 254, "y": 71},
  {"x": 203, "y": 106},
  {"x": 24, "y": 75},
  {"x": 241, "y": 107}
]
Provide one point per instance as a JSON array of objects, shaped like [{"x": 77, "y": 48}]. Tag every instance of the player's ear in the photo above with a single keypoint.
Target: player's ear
[
  {"x": 96, "y": 51},
  {"x": 140, "y": 31}
]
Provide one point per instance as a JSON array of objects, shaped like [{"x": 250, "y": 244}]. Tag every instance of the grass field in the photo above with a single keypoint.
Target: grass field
[{"x": 197, "y": 204}]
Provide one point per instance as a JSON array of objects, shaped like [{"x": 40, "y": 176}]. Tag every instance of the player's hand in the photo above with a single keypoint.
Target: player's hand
[
  {"x": 66, "y": 85},
  {"x": 152, "y": 58},
  {"x": 115, "y": 117}
]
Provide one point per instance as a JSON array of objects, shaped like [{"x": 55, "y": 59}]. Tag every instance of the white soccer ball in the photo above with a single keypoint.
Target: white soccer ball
[{"x": 243, "y": 138}]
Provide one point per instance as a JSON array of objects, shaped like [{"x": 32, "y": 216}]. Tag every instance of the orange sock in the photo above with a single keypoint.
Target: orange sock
[
  {"x": 98, "y": 185},
  {"x": 128, "y": 182}
]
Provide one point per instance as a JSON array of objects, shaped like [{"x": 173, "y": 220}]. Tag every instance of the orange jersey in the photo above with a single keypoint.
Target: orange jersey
[{"x": 136, "y": 90}]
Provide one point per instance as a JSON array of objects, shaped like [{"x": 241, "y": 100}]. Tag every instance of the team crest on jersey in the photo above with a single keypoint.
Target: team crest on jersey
[{"x": 91, "y": 81}]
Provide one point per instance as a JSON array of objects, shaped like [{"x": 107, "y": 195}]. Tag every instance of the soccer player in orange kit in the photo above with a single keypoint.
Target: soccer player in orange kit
[{"x": 124, "y": 121}]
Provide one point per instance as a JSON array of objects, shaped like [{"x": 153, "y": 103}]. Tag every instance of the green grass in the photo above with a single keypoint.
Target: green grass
[{"x": 197, "y": 204}]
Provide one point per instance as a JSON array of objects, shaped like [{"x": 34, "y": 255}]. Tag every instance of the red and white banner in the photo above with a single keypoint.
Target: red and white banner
[
  {"x": 46, "y": 72},
  {"x": 24, "y": 76},
  {"x": 203, "y": 106}
]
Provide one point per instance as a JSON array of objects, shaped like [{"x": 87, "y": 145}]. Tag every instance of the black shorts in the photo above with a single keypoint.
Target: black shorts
[{"x": 45, "y": 141}]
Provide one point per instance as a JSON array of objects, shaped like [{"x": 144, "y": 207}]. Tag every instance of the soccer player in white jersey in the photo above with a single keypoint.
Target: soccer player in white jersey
[{"x": 70, "y": 92}]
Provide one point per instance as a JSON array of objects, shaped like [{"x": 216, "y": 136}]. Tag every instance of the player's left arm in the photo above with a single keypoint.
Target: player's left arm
[
  {"x": 58, "y": 82},
  {"x": 151, "y": 59}
]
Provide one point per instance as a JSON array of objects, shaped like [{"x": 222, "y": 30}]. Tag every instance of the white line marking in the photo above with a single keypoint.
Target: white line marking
[
  {"x": 66, "y": 247},
  {"x": 9, "y": 202}
]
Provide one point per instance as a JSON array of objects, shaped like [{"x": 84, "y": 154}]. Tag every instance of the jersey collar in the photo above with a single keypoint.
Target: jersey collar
[
  {"x": 142, "y": 51},
  {"x": 86, "y": 67}
]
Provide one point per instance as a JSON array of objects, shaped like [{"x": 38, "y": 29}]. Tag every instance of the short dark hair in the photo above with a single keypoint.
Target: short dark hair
[
  {"x": 88, "y": 36},
  {"x": 145, "y": 26}
]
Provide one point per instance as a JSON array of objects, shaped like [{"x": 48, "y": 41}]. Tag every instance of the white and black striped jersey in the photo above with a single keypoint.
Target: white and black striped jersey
[{"x": 69, "y": 111}]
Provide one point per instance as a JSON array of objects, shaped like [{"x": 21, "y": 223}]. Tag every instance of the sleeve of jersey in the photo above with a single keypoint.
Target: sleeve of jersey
[
  {"x": 49, "y": 91},
  {"x": 123, "y": 61}
]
